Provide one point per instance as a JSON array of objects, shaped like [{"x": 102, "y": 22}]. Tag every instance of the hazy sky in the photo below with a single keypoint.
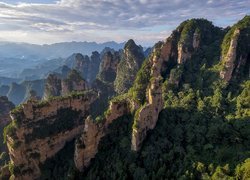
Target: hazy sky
[{"x": 146, "y": 21}]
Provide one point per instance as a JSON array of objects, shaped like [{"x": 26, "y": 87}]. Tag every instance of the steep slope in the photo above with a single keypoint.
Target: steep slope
[
  {"x": 236, "y": 52},
  {"x": 87, "y": 66},
  {"x": 40, "y": 129},
  {"x": 56, "y": 85},
  {"x": 108, "y": 66},
  {"x": 186, "y": 44},
  {"x": 128, "y": 66}
]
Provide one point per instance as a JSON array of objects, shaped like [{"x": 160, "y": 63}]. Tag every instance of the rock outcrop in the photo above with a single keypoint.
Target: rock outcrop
[
  {"x": 74, "y": 82},
  {"x": 128, "y": 67},
  {"x": 230, "y": 58},
  {"x": 236, "y": 52},
  {"x": 147, "y": 116},
  {"x": 183, "y": 44},
  {"x": 52, "y": 86},
  {"x": 40, "y": 129},
  {"x": 87, "y": 66},
  {"x": 108, "y": 66},
  {"x": 87, "y": 145},
  {"x": 56, "y": 86}
]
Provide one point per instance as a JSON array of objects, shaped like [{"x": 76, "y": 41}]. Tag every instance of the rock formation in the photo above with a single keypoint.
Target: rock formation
[
  {"x": 184, "y": 43},
  {"x": 52, "y": 86},
  {"x": 131, "y": 62},
  {"x": 147, "y": 116},
  {"x": 87, "y": 145},
  {"x": 87, "y": 66},
  {"x": 236, "y": 52},
  {"x": 55, "y": 86},
  {"x": 40, "y": 129},
  {"x": 74, "y": 82},
  {"x": 108, "y": 66}
]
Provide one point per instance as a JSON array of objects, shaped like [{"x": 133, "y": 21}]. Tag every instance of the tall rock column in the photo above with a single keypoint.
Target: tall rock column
[{"x": 147, "y": 116}]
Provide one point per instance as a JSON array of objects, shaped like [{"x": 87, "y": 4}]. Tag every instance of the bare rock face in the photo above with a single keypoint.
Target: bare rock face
[
  {"x": 87, "y": 145},
  {"x": 108, "y": 66},
  {"x": 128, "y": 67},
  {"x": 184, "y": 43},
  {"x": 88, "y": 67},
  {"x": 147, "y": 116},
  {"x": 73, "y": 82},
  {"x": 40, "y": 130},
  {"x": 236, "y": 61},
  {"x": 52, "y": 86},
  {"x": 56, "y": 86},
  {"x": 183, "y": 54},
  {"x": 188, "y": 46},
  {"x": 230, "y": 58}
]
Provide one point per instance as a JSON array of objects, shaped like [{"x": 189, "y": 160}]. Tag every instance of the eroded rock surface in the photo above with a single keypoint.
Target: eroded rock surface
[{"x": 40, "y": 130}]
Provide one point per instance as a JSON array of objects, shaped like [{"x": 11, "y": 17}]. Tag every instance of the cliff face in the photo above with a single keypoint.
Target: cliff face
[
  {"x": 55, "y": 86},
  {"x": 236, "y": 52},
  {"x": 131, "y": 62},
  {"x": 39, "y": 130},
  {"x": 189, "y": 41},
  {"x": 73, "y": 82},
  {"x": 147, "y": 116},
  {"x": 52, "y": 86},
  {"x": 87, "y": 66},
  {"x": 87, "y": 145},
  {"x": 108, "y": 66}
]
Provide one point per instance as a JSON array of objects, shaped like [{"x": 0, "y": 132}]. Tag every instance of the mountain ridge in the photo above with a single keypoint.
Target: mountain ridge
[{"x": 180, "y": 119}]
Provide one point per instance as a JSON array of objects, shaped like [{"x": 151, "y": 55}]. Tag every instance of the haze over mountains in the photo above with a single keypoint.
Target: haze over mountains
[{"x": 15, "y": 57}]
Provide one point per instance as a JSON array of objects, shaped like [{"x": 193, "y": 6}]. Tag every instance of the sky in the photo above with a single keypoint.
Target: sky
[{"x": 145, "y": 21}]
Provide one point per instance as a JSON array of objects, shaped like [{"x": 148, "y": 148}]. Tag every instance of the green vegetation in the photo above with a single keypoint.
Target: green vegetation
[
  {"x": 51, "y": 169},
  {"x": 242, "y": 24},
  {"x": 128, "y": 67},
  {"x": 138, "y": 91},
  {"x": 193, "y": 139},
  {"x": 65, "y": 120},
  {"x": 73, "y": 94},
  {"x": 10, "y": 130}
]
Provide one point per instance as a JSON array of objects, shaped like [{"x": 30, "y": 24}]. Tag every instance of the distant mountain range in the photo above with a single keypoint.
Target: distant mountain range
[
  {"x": 63, "y": 49},
  {"x": 15, "y": 57}
]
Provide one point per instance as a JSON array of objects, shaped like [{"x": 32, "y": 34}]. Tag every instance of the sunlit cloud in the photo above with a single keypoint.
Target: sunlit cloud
[{"x": 105, "y": 20}]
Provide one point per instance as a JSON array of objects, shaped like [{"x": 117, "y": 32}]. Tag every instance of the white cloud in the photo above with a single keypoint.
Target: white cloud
[{"x": 103, "y": 20}]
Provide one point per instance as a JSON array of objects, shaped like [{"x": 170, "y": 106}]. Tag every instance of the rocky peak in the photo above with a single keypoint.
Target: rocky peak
[
  {"x": 193, "y": 34},
  {"x": 95, "y": 61},
  {"x": 87, "y": 145},
  {"x": 236, "y": 52},
  {"x": 132, "y": 59},
  {"x": 52, "y": 86},
  {"x": 108, "y": 66},
  {"x": 74, "y": 82}
]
